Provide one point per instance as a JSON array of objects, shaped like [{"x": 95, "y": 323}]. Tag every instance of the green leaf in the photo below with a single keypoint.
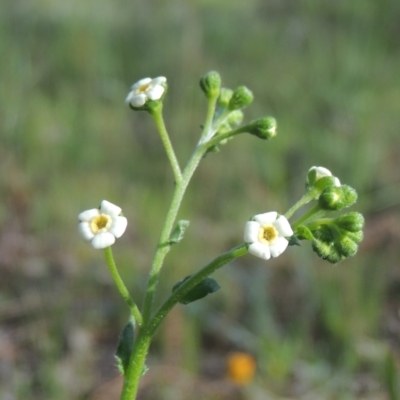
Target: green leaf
[
  {"x": 294, "y": 241},
  {"x": 202, "y": 289},
  {"x": 125, "y": 346},
  {"x": 178, "y": 232}
]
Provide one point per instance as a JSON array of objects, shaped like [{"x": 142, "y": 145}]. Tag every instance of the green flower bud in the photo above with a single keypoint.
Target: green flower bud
[
  {"x": 235, "y": 118},
  {"x": 316, "y": 173},
  {"x": 356, "y": 237},
  {"x": 336, "y": 198},
  {"x": 303, "y": 233},
  {"x": 347, "y": 247},
  {"x": 264, "y": 128},
  {"x": 211, "y": 84},
  {"x": 327, "y": 251},
  {"x": 224, "y": 128},
  {"x": 241, "y": 97},
  {"x": 225, "y": 96},
  {"x": 326, "y": 233},
  {"x": 352, "y": 222}
]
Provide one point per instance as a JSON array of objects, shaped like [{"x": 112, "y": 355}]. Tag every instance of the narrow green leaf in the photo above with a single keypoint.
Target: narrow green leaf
[
  {"x": 125, "y": 346},
  {"x": 205, "y": 287}
]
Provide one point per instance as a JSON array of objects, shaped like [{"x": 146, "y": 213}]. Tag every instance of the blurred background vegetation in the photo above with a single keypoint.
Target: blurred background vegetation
[{"x": 327, "y": 71}]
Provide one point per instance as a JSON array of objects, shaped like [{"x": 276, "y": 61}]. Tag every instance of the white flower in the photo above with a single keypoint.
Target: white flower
[
  {"x": 146, "y": 89},
  {"x": 102, "y": 226},
  {"x": 320, "y": 172},
  {"x": 266, "y": 235}
]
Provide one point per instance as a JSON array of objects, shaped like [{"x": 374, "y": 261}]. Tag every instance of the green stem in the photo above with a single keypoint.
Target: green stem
[
  {"x": 121, "y": 286},
  {"x": 310, "y": 195},
  {"x": 163, "y": 246},
  {"x": 159, "y": 120},
  {"x": 208, "y": 132},
  {"x": 194, "y": 280},
  {"x": 136, "y": 367},
  {"x": 314, "y": 212},
  {"x": 138, "y": 357}
]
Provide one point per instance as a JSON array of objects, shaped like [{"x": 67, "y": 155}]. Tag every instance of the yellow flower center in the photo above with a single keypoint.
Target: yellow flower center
[
  {"x": 267, "y": 234},
  {"x": 100, "y": 223},
  {"x": 143, "y": 88}
]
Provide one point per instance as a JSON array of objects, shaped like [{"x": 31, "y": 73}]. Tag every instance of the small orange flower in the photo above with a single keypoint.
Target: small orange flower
[{"x": 241, "y": 367}]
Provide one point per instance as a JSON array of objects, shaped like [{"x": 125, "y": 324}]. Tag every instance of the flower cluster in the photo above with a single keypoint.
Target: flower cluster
[
  {"x": 333, "y": 239},
  {"x": 337, "y": 239}
]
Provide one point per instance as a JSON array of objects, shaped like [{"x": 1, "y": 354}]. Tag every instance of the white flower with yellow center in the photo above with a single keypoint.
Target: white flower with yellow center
[
  {"x": 266, "y": 235},
  {"x": 101, "y": 226},
  {"x": 321, "y": 172},
  {"x": 146, "y": 89}
]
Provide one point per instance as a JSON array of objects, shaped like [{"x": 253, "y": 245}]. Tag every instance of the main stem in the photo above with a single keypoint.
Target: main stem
[
  {"x": 163, "y": 245},
  {"x": 138, "y": 356}
]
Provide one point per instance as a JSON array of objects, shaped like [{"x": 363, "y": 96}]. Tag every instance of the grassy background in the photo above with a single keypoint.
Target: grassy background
[{"x": 329, "y": 73}]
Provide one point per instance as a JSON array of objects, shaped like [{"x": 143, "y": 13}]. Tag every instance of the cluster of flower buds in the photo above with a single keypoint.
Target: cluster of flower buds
[
  {"x": 333, "y": 239},
  {"x": 228, "y": 114}
]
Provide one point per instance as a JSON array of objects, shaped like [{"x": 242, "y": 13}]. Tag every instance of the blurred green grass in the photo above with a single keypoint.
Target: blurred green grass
[{"x": 327, "y": 71}]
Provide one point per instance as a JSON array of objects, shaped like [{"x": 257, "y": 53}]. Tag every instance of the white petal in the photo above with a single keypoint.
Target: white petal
[
  {"x": 88, "y": 215},
  {"x": 118, "y": 226},
  {"x": 103, "y": 240},
  {"x": 141, "y": 82},
  {"x": 155, "y": 92},
  {"x": 321, "y": 172},
  {"x": 251, "y": 230},
  {"x": 85, "y": 231},
  {"x": 129, "y": 97},
  {"x": 138, "y": 100},
  {"x": 260, "y": 250},
  {"x": 110, "y": 209},
  {"x": 278, "y": 246},
  {"x": 283, "y": 227},
  {"x": 337, "y": 182},
  {"x": 159, "y": 80},
  {"x": 267, "y": 218}
]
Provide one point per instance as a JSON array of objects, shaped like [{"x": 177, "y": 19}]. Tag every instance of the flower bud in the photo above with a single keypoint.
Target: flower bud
[
  {"x": 241, "y": 98},
  {"x": 352, "y": 222},
  {"x": 336, "y": 198},
  {"x": 356, "y": 237},
  {"x": 316, "y": 173},
  {"x": 325, "y": 232},
  {"x": 211, "y": 84},
  {"x": 235, "y": 118},
  {"x": 347, "y": 247},
  {"x": 303, "y": 233},
  {"x": 327, "y": 251},
  {"x": 225, "y": 96},
  {"x": 264, "y": 128}
]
